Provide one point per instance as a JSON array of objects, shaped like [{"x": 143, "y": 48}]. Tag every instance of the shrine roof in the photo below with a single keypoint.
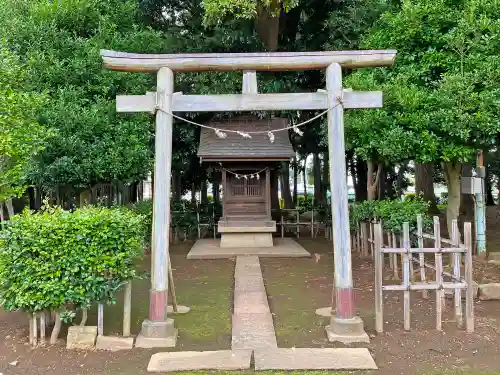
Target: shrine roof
[{"x": 235, "y": 147}]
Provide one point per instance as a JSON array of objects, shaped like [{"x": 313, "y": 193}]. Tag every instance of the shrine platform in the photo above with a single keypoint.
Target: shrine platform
[{"x": 211, "y": 249}]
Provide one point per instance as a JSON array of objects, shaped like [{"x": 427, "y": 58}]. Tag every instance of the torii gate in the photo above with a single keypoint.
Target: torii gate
[{"x": 345, "y": 326}]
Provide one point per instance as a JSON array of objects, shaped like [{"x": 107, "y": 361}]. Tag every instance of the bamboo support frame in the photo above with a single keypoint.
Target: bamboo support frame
[
  {"x": 406, "y": 275},
  {"x": 457, "y": 283},
  {"x": 439, "y": 274},
  {"x": 421, "y": 256}
]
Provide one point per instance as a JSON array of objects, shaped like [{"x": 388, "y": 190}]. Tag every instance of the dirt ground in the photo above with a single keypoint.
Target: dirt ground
[{"x": 296, "y": 288}]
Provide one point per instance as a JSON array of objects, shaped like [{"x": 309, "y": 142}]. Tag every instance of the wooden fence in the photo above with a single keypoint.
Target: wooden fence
[
  {"x": 455, "y": 282},
  {"x": 314, "y": 226}
]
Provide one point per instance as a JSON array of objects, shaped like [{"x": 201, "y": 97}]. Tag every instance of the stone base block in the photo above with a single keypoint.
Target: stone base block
[
  {"x": 157, "y": 335},
  {"x": 114, "y": 343},
  {"x": 158, "y": 329},
  {"x": 314, "y": 359},
  {"x": 226, "y": 360},
  {"x": 155, "y": 342},
  {"x": 488, "y": 292},
  {"x": 347, "y": 331},
  {"x": 81, "y": 337},
  {"x": 246, "y": 240}
]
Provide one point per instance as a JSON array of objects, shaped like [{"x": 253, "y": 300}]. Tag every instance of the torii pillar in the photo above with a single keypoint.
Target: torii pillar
[{"x": 345, "y": 326}]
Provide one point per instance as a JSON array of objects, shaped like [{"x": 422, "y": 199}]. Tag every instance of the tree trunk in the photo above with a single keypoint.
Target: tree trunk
[
  {"x": 490, "y": 200},
  {"x": 10, "y": 207},
  {"x": 317, "y": 178},
  {"x": 193, "y": 193},
  {"x": 267, "y": 25},
  {"x": 381, "y": 188},
  {"x": 38, "y": 198},
  {"x": 360, "y": 180},
  {"x": 424, "y": 184},
  {"x": 371, "y": 183},
  {"x": 176, "y": 185},
  {"x": 285, "y": 185},
  {"x": 295, "y": 181},
  {"x": 304, "y": 177},
  {"x": 452, "y": 175},
  {"x": 216, "y": 189},
  {"x": 467, "y": 201},
  {"x": 204, "y": 193},
  {"x": 56, "y": 330}
]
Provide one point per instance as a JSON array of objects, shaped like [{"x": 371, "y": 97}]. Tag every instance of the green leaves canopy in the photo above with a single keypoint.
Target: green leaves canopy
[{"x": 21, "y": 137}]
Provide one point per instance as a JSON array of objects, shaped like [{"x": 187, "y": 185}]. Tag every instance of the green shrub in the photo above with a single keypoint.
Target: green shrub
[
  {"x": 184, "y": 217},
  {"x": 392, "y": 213},
  {"x": 58, "y": 260}
]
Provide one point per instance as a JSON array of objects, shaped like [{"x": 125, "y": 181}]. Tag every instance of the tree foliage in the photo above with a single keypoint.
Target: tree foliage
[
  {"x": 59, "y": 43},
  {"x": 21, "y": 136}
]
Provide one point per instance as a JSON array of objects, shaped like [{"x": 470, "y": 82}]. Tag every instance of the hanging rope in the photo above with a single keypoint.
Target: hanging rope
[
  {"x": 255, "y": 175},
  {"x": 222, "y": 133}
]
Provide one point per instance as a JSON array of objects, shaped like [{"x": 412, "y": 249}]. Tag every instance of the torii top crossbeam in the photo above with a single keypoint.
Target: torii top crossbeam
[{"x": 262, "y": 61}]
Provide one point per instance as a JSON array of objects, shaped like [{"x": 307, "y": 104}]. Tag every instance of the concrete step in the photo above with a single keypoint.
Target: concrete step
[
  {"x": 314, "y": 359},
  {"x": 195, "y": 361}
]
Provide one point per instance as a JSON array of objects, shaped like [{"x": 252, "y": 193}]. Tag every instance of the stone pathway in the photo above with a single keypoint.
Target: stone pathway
[
  {"x": 252, "y": 320},
  {"x": 253, "y": 333}
]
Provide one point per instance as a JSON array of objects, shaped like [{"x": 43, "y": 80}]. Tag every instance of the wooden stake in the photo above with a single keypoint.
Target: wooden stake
[
  {"x": 172, "y": 285},
  {"x": 298, "y": 224},
  {"x": 379, "y": 270},
  {"x": 35, "y": 330},
  {"x": 391, "y": 258},
  {"x": 420, "y": 231},
  {"x": 406, "y": 274},
  {"x": 282, "y": 226},
  {"x": 42, "y": 327},
  {"x": 364, "y": 238},
  {"x": 127, "y": 309},
  {"x": 395, "y": 258},
  {"x": 456, "y": 273},
  {"x": 100, "y": 319},
  {"x": 312, "y": 223},
  {"x": 469, "y": 299},
  {"x": 439, "y": 273}
]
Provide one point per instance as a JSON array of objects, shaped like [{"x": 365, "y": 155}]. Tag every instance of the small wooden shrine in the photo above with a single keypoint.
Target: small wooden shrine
[{"x": 246, "y": 165}]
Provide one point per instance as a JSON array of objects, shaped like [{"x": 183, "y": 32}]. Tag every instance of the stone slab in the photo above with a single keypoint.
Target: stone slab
[
  {"x": 156, "y": 342},
  {"x": 324, "y": 311},
  {"x": 450, "y": 293},
  {"x": 180, "y": 309},
  {"x": 314, "y": 359},
  {"x": 114, "y": 343},
  {"x": 245, "y": 284},
  {"x": 246, "y": 240},
  {"x": 283, "y": 248},
  {"x": 195, "y": 361},
  {"x": 489, "y": 292},
  {"x": 250, "y": 302},
  {"x": 81, "y": 337},
  {"x": 253, "y": 331}
]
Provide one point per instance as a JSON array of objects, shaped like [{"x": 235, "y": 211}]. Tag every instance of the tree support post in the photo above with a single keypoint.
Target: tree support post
[
  {"x": 344, "y": 326},
  {"x": 158, "y": 330},
  {"x": 480, "y": 211}
]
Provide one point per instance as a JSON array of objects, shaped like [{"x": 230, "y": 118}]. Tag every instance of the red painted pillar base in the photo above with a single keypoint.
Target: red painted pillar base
[
  {"x": 158, "y": 305},
  {"x": 345, "y": 305}
]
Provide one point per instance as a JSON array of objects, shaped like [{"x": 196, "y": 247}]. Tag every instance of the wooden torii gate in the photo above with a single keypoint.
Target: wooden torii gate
[{"x": 345, "y": 326}]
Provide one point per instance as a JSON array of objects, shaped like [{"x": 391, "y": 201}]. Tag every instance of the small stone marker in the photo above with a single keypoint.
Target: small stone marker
[
  {"x": 114, "y": 343},
  {"x": 489, "y": 292},
  {"x": 180, "y": 310},
  {"x": 314, "y": 359},
  {"x": 324, "y": 311},
  {"x": 194, "y": 361},
  {"x": 81, "y": 337}
]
